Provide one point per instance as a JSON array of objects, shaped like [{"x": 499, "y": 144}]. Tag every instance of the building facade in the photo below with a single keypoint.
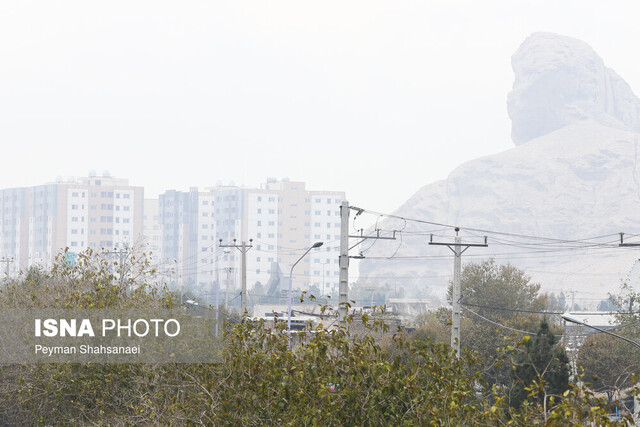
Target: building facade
[
  {"x": 38, "y": 223},
  {"x": 182, "y": 231},
  {"x": 277, "y": 223}
]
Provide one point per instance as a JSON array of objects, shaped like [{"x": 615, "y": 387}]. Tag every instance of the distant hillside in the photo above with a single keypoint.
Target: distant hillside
[{"x": 573, "y": 175}]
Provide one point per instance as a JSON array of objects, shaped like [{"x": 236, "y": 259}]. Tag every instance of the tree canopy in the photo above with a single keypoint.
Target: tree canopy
[
  {"x": 540, "y": 359},
  {"x": 500, "y": 305},
  {"x": 609, "y": 363},
  {"x": 325, "y": 377}
]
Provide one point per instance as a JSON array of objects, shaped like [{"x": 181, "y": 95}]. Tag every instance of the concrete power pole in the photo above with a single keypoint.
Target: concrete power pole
[
  {"x": 226, "y": 292},
  {"x": 217, "y": 295},
  {"x": 344, "y": 253},
  {"x": 344, "y": 261},
  {"x": 243, "y": 248},
  {"x": 457, "y": 249}
]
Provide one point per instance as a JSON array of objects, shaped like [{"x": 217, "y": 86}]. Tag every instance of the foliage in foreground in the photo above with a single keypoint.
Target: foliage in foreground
[
  {"x": 333, "y": 379},
  {"x": 267, "y": 376}
]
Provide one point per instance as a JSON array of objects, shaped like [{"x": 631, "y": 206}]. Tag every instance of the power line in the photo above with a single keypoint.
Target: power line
[
  {"x": 548, "y": 240},
  {"x": 514, "y": 310},
  {"x": 508, "y": 327}
]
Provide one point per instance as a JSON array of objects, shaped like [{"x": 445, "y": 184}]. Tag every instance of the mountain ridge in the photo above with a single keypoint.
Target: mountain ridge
[{"x": 576, "y": 183}]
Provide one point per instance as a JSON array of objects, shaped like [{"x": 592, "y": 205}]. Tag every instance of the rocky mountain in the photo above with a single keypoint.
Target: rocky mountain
[
  {"x": 560, "y": 81},
  {"x": 554, "y": 204}
]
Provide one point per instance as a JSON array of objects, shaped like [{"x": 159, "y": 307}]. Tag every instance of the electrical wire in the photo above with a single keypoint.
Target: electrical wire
[
  {"x": 513, "y": 310},
  {"x": 510, "y": 328},
  {"x": 547, "y": 240},
  {"x": 496, "y": 323}
]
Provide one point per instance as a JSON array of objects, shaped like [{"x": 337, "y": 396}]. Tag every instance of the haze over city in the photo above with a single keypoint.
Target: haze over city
[{"x": 372, "y": 98}]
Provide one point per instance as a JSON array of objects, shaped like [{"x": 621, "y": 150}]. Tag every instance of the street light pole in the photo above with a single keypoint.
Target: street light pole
[
  {"x": 315, "y": 245},
  {"x": 323, "y": 265}
]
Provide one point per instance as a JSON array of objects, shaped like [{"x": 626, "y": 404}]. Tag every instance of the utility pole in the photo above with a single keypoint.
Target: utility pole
[
  {"x": 344, "y": 261},
  {"x": 217, "y": 295},
  {"x": 623, "y": 244},
  {"x": 243, "y": 248},
  {"x": 7, "y": 260},
  {"x": 457, "y": 249},
  {"x": 226, "y": 292},
  {"x": 344, "y": 254}
]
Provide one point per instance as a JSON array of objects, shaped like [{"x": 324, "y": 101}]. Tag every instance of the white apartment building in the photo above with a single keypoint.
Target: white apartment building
[
  {"x": 152, "y": 230},
  {"x": 187, "y": 239},
  {"x": 284, "y": 219},
  {"x": 97, "y": 212},
  {"x": 280, "y": 220}
]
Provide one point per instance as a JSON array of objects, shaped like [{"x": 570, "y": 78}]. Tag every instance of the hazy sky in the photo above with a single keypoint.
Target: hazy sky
[{"x": 373, "y": 98}]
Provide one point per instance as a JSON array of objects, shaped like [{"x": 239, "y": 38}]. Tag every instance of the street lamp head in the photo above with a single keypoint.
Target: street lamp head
[
  {"x": 573, "y": 319},
  {"x": 317, "y": 245}
]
